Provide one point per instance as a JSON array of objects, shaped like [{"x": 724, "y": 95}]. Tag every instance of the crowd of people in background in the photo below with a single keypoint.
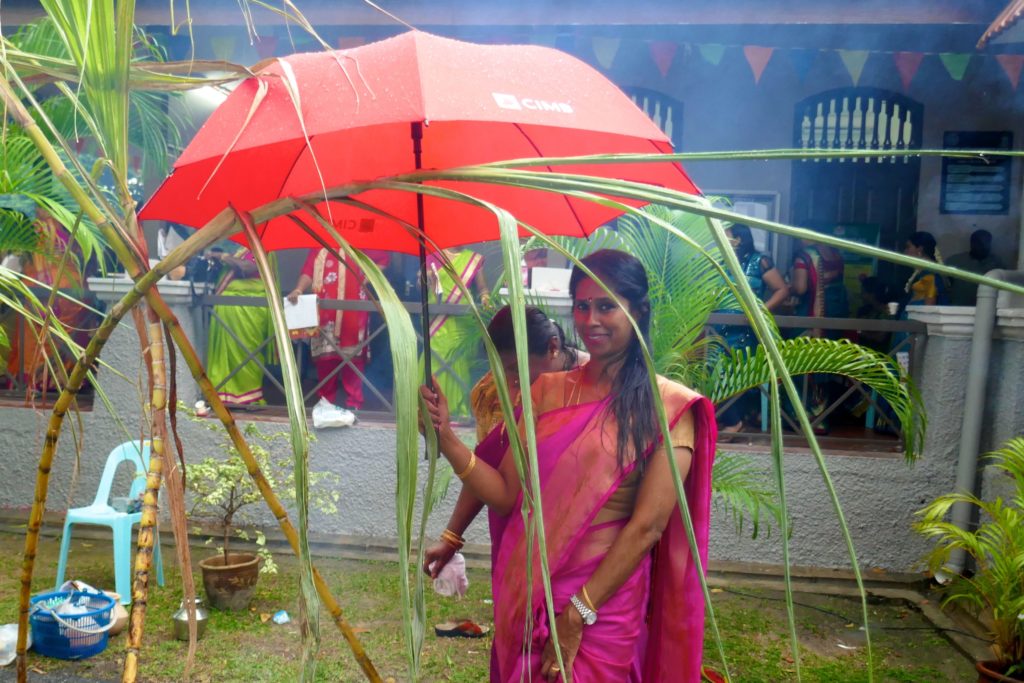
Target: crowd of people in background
[
  {"x": 240, "y": 351},
  {"x": 816, "y": 287}
]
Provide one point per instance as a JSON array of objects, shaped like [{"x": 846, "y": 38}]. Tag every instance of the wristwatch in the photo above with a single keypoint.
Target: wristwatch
[{"x": 589, "y": 615}]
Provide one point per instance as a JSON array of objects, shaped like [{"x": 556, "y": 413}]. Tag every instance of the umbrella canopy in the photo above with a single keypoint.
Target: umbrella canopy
[{"x": 473, "y": 103}]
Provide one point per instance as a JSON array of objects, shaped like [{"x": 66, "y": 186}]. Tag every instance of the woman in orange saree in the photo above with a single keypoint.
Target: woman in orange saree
[
  {"x": 626, "y": 589},
  {"x": 34, "y": 352}
]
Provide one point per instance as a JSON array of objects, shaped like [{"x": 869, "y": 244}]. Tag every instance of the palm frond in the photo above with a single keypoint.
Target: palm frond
[
  {"x": 745, "y": 369},
  {"x": 685, "y": 287},
  {"x": 997, "y": 547},
  {"x": 739, "y": 488}
]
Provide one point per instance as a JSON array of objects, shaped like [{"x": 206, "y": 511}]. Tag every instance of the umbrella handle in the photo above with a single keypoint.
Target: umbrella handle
[{"x": 416, "y": 129}]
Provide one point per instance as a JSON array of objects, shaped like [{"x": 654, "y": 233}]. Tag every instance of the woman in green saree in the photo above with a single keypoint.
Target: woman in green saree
[
  {"x": 449, "y": 333},
  {"x": 250, "y": 327}
]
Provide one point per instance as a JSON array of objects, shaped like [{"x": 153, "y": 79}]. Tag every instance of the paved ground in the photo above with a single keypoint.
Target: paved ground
[{"x": 7, "y": 675}]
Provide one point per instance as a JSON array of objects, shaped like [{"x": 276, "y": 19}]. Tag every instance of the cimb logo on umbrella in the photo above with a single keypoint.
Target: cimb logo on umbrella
[{"x": 506, "y": 101}]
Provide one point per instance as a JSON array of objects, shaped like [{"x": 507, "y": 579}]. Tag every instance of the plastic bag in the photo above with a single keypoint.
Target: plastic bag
[
  {"x": 326, "y": 415},
  {"x": 9, "y": 643},
  {"x": 452, "y": 580}
]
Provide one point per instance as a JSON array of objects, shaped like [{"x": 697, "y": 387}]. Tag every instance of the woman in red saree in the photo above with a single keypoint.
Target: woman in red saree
[{"x": 626, "y": 589}]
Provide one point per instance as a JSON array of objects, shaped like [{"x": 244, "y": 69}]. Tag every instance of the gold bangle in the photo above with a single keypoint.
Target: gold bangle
[
  {"x": 452, "y": 538},
  {"x": 586, "y": 599},
  {"x": 455, "y": 536},
  {"x": 453, "y": 542},
  {"x": 469, "y": 468}
]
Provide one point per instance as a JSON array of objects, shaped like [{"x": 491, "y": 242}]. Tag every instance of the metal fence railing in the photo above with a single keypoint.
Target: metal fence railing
[{"x": 376, "y": 374}]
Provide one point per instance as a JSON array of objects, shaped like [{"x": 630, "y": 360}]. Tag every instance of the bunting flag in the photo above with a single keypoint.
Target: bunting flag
[
  {"x": 349, "y": 42},
  {"x": 1011, "y": 65},
  {"x": 605, "y": 50},
  {"x": 956, "y": 63},
  {"x": 907, "y": 63},
  {"x": 802, "y": 61},
  {"x": 544, "y": 38},
  {"x": 757, "y": 58},
  {"x": 663, "y": 52},
  {"x": 223, "y": 47},
  {"x": 854, "y": 61},
  {"x": 266, "y": 46},
  {"x": 712, "y": 53}
]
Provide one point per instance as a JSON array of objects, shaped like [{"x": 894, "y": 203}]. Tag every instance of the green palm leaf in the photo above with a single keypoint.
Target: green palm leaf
[
  {"x": 997, "y": 547},
  {"x": 738, "y": 487},
  {"x": 745, "y": 369}
]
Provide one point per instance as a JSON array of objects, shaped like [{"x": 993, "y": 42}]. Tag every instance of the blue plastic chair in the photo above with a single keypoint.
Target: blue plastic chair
[{"x": 100, "y": 513}]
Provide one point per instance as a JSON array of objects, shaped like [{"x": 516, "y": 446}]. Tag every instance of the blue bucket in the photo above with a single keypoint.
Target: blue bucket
[{"x": 70, "y": 636}]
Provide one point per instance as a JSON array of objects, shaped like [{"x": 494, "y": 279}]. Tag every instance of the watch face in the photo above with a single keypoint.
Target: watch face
[{"x": 590, "y": 619}]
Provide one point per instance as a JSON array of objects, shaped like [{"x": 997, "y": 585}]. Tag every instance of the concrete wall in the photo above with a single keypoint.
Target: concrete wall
[{"x": 879, "y": 492}]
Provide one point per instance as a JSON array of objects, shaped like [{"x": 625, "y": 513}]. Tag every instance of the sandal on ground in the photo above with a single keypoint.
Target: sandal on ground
[
  {"x": 711, "y": 676},
  {"x": 460, "y": 629}
]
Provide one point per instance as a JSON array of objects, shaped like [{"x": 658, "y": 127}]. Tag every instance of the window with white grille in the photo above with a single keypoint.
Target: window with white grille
[
  {"x": 859, "y": 118},
  {"x": 666, "y": 112}
]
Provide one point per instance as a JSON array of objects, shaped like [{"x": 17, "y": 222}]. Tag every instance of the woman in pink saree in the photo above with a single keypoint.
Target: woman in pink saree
[{"x": 625, "y": 588}]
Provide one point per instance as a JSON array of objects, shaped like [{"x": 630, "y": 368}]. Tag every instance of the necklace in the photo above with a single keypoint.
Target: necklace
[{"x": 577, "y": 389}]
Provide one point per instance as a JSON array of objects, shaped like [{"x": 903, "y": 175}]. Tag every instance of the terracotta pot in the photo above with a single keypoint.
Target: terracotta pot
[
  {"x": 990, "y": 672},
  {"x": 230, "y": 585}
]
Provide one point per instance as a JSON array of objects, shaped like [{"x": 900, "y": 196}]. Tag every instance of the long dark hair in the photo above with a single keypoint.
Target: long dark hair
[
  {"x": 926, "y": 241},
  {"x": 741, "y": 232},
  {"x": 539, "y": 330},
  {"x": 632, "y": 402}
]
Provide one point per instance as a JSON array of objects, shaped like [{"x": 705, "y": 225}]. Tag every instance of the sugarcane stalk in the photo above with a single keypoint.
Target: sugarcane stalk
[
  {"x": 144, "y": 287},
  {"x": 147, "y": 524},
  {"x": 74, "y": 382}
]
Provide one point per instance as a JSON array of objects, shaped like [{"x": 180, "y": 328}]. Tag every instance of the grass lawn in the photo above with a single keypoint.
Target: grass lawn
[{"x": 242, "y": 647}]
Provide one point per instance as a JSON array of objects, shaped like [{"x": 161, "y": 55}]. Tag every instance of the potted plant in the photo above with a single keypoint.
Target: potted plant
[
  {"x": 222, "y": 496},
  {"x": 995, "y": 591}
]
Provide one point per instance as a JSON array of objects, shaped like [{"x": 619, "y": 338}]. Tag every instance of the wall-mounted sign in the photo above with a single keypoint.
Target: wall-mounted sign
[{"x": 976, "y": 185}]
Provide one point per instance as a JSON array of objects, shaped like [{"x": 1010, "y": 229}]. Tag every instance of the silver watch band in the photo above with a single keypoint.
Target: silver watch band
[{"x": 589, "y": 615}]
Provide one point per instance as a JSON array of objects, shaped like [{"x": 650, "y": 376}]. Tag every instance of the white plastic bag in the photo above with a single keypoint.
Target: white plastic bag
[
  {"x": 9, "y": 643},
  {"x": 452, "y": 580},
  {"x": 327, "y": 415}
]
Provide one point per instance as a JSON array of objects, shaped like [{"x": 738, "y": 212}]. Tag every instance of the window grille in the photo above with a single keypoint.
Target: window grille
[{"x": 859, "y": 118}]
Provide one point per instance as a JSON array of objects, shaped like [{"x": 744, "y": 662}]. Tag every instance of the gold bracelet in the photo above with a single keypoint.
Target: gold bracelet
[
  {"x": 586, "y": 599},
  {"x": 469, "y": 468},
  {"x": 453, "y": 539},
  {"x": 452, "y": 536}
]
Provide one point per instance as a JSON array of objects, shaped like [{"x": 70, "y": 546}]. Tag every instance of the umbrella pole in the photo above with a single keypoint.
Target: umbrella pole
[{"x": 417, "y": 151}]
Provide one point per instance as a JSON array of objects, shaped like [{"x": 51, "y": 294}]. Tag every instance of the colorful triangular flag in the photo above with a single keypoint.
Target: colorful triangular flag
[
  {"x": 907, "y": 63},
  {"x": 266, "y": 46},
  {"x": 712, "y": 53},
  {"x": 605, "y": 50},
  {"x": 349, "y": 42},
  {"x": 757, "y": 57},
  {"x": 223, "y": 47},
  {"x": 956, "y": 63},
  {"x": 1011, "y": 65},
  {"x": 854, "y": 61},
  {"x": 663, "y": 52},
  {"x": 544, "y": 38},
  {"x": 802, "y": 60}
]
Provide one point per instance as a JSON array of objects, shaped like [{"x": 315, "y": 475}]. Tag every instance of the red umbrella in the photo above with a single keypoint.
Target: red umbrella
[
  {"x": 360, "y": 109},
  {"x": 409, "y": 102}
]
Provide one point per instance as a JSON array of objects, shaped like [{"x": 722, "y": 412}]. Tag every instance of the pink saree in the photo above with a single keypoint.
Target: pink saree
[{"x": 652, "y": 629}]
